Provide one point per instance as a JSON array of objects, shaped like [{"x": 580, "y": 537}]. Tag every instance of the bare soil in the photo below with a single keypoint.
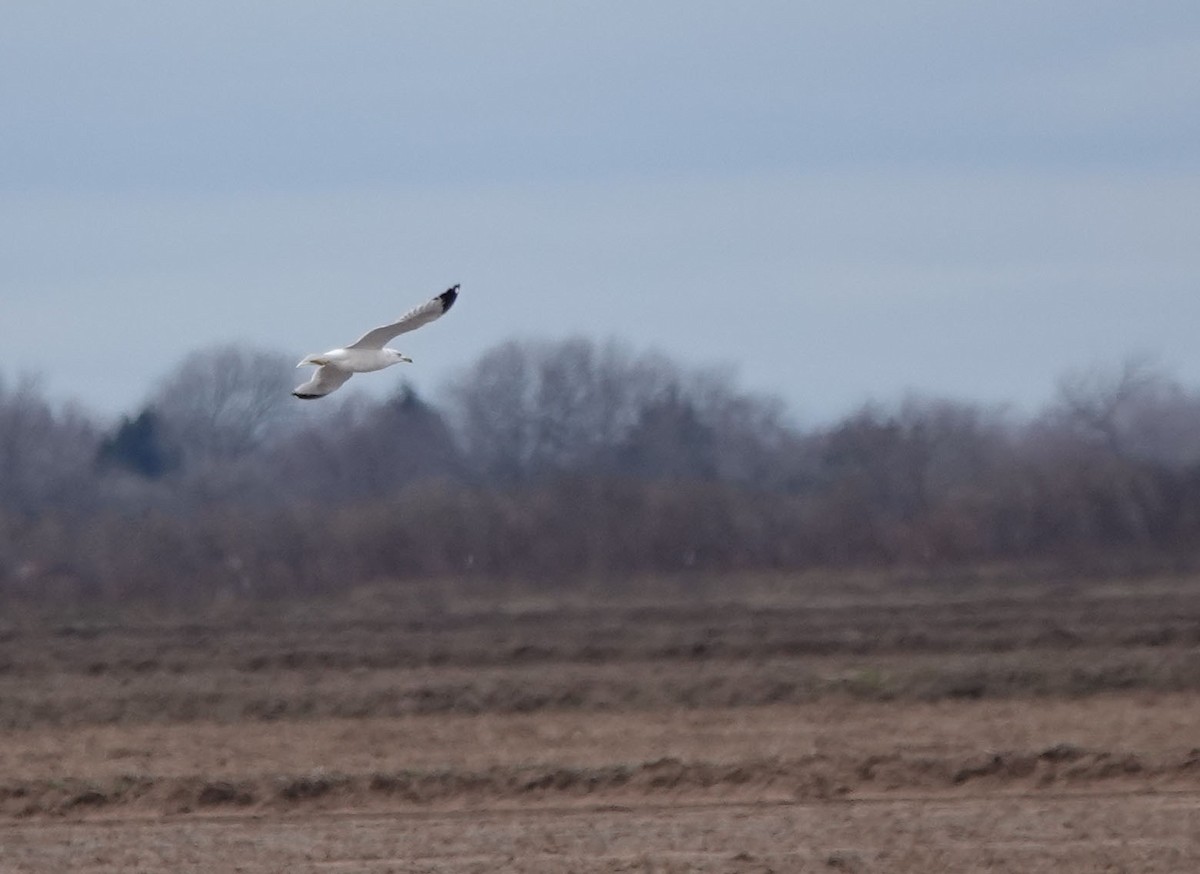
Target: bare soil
[{"x": 872, "y": 728}]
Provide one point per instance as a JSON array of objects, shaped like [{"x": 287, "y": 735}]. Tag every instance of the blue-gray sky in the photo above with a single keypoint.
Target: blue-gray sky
[{"x": 839, "y": 200}]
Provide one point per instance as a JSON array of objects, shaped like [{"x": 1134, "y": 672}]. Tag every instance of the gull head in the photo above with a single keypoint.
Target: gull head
[
  {"x": 315, "y": 360},
  {"x": 398, "y": 357}
]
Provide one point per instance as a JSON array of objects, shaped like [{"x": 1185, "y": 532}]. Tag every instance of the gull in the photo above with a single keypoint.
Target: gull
[{"x": 368, "y": 353}]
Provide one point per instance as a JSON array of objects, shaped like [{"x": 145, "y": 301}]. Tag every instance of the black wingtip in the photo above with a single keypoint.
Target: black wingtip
[
  {"x": 305, "y": 397},
  {"x": 448, "y": 297}
]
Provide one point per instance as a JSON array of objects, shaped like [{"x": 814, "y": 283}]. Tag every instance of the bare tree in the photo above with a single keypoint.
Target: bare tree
[
  {"x": 491, "y": 403},
  {"x": 753, "y": 443},
  {"x": 527, "y": 408},
  {"x": 376, "y": 450},
  {"x": 45, "y": 453},
  {"x": 1135, "y": 411},
  {"x": 223, "y": 402}
]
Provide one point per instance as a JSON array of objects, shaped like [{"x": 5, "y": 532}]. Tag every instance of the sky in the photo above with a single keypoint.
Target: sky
[{"x": 838, "y": 202}]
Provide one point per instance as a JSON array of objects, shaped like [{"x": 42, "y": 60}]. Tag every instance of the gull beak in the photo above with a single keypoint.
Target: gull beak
[{"x": 406, "y": 359}]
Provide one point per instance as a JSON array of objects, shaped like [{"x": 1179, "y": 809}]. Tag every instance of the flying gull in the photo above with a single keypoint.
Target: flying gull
[{"x": 368, "y": 353}]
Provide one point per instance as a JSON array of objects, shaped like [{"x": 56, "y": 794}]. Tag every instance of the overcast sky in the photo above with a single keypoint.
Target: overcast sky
[{"x": 839, "y": 201}]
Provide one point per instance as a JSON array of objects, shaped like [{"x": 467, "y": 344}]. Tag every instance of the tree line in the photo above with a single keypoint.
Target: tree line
[{"x": 556, "y": 462}]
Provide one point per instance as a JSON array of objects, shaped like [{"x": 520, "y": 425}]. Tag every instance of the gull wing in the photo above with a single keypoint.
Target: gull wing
[
  {"x": 326, "y": 379},
  {"x": 410, "y": 321}
]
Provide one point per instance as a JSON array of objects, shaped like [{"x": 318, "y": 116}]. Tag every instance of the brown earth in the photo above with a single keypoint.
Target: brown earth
[{"x": 776, "y": 727}]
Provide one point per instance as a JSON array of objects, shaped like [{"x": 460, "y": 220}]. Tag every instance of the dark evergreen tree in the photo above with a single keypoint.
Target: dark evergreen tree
[{"x": 138, "y": 446}]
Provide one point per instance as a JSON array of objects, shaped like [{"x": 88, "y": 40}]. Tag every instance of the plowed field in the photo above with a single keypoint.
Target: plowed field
[{"x": 899, "y": 728}]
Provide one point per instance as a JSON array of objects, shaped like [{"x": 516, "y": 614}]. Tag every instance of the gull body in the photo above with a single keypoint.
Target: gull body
[
  {"x": 357, "y": 360},
  {"x": 367, "y": 353}
]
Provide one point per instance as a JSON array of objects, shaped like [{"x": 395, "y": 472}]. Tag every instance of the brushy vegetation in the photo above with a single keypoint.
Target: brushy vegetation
[{"x": 574, "y": 461}]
